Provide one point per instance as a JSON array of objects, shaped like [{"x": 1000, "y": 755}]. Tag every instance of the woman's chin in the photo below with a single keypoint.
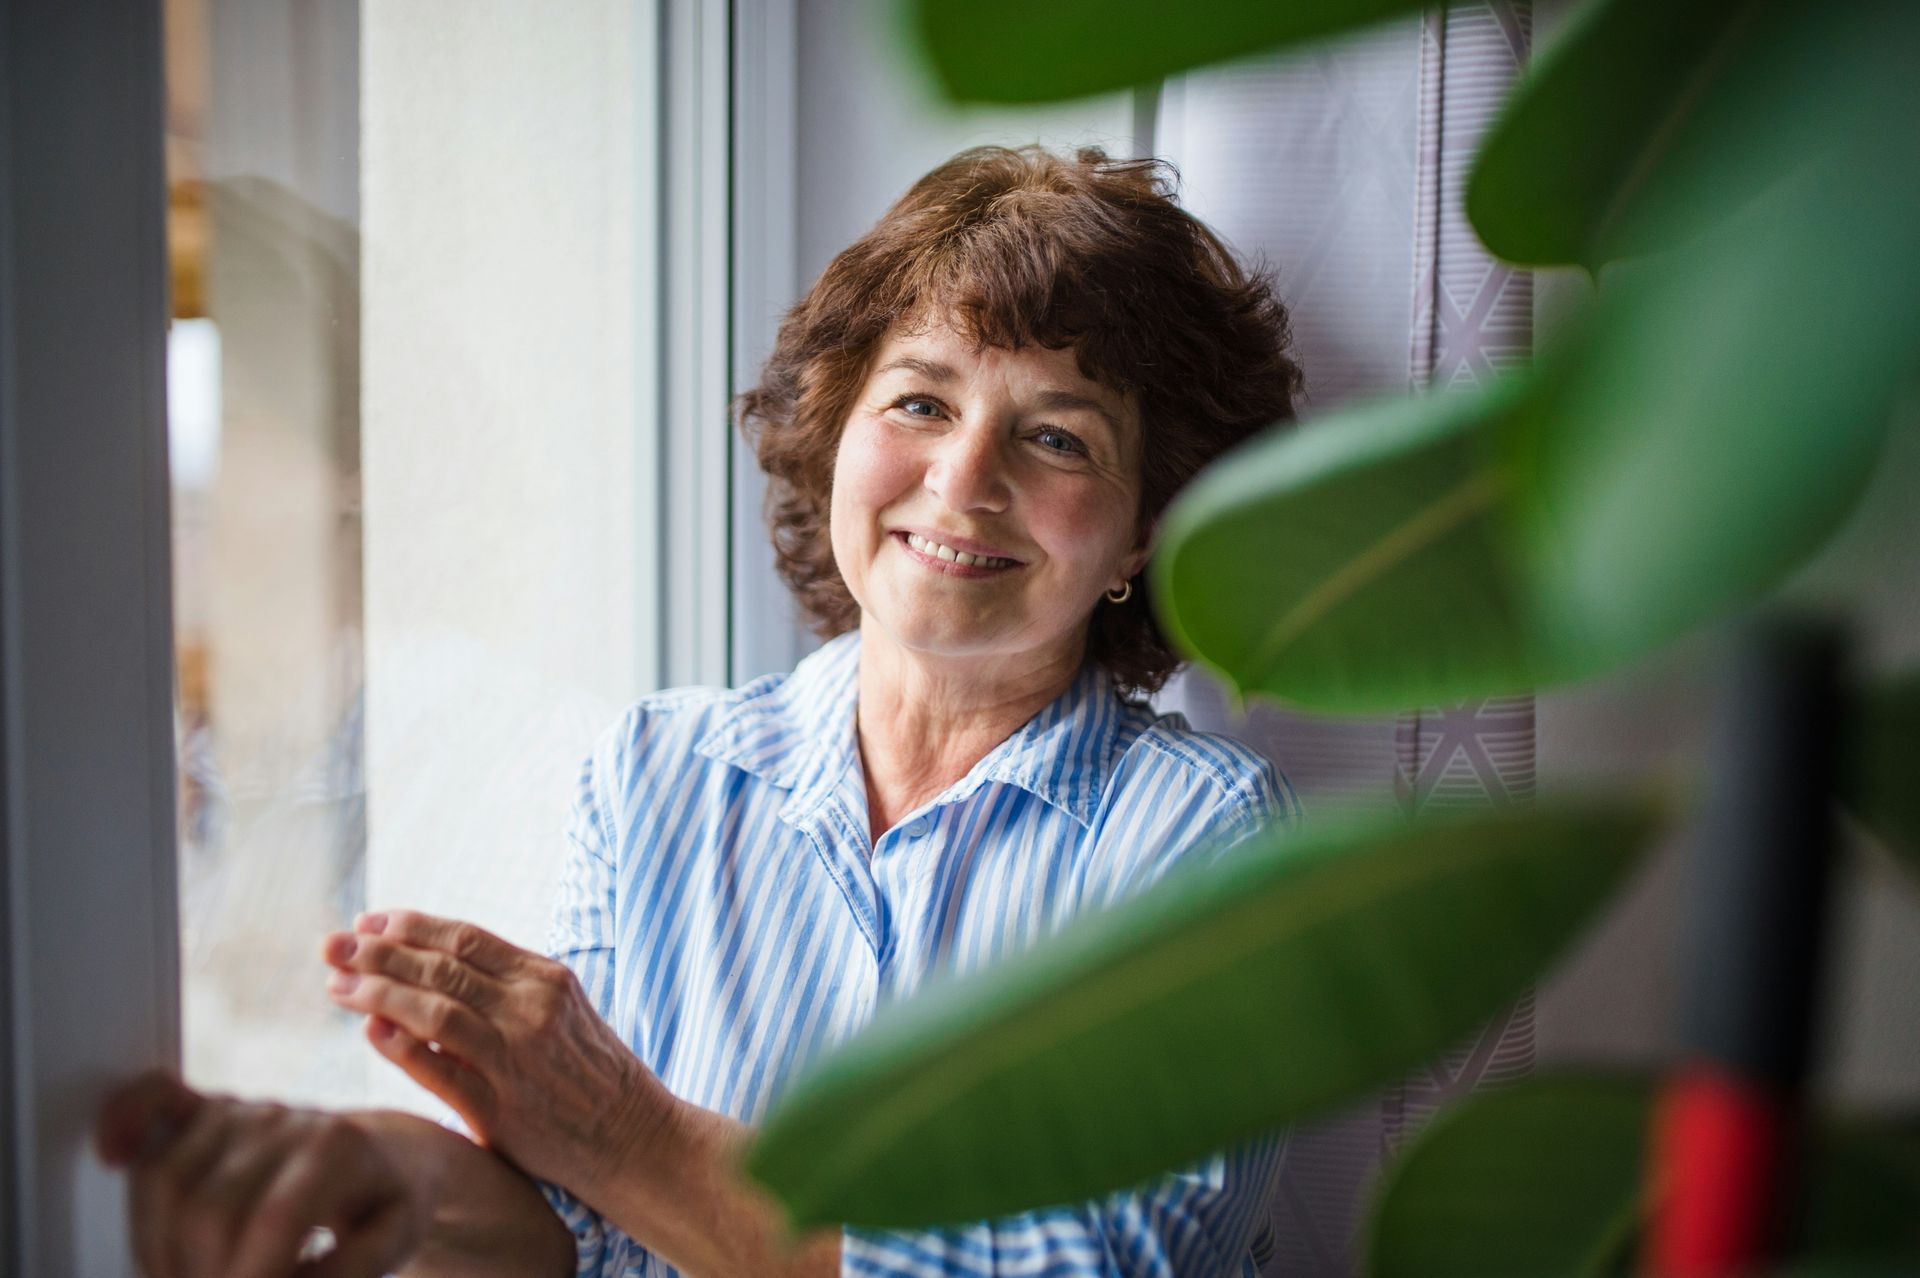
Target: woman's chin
[
  {"x": 961, "y": 639},
  {"x": 949, "y": 643}
]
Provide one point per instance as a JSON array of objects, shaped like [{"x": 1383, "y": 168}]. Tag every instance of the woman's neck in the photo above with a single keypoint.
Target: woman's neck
[{"x": 924, "y": 722}]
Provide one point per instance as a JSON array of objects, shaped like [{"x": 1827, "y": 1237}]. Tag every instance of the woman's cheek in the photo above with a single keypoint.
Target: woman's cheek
[
  {"x": 1083, "y": 528},
  {"x": 867, "y": 478},
  {"x": 880, "y": 466}
]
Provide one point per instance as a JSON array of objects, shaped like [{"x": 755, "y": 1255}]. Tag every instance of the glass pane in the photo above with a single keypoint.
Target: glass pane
[
  {"x": 408, "y": 455},
  {"x": 264, "y": 421}
]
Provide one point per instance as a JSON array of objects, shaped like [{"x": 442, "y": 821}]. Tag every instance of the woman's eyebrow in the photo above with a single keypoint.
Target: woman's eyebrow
[
  {"x": 1050, "y": 401},
  {"x": 1063, "y": 400},
  {"x": 928, "y": 368}
]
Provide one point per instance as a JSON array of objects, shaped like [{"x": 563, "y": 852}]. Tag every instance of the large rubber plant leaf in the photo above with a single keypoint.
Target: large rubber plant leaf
[
  {"x": 1283, "y": 979},
  {"x": 1548, "y": 1176},
  {"x": 1542, "y": 1177},
  {"x": 1012, "y": 51},
  {"x": 1357, "y": 563},
  {"x": 1882, "y": 778},
  {"x": 1723, "y": 410},
  {"x": 1624, "y": 135}
]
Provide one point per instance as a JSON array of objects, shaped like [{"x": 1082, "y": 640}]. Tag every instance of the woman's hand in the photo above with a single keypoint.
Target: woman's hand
[
  {"x": 224, "y": 1188},
  {"x": 504, "y": 1036}
]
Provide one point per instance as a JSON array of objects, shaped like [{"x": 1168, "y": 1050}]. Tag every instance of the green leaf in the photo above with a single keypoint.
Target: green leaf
[
  {"x": 1723, "y": 410},
  {"x": 1014, "y": 51},
  {"x": 1542, "y": 1177},
  {"x": 1617, "y": 130},
  {"x": 1357, "y": 563},
  {"x": 1863, "y": 1191},
  {"x": 1884, "y": 762},
  {"x": 1490, "y": 1188},
  {"x": 1288, "y": 977}
]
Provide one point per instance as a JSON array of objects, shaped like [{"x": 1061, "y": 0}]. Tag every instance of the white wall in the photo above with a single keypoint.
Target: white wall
[{"x": 506, "y": 434}]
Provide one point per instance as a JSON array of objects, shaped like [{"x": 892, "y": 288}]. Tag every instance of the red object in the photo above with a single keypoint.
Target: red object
[{"x": 1718, "y": 1149}]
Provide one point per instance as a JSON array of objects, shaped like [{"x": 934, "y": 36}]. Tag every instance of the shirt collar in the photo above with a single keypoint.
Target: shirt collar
[
  {"x": 790, "y": 731},
  {"x": 1063, "y": 754},
  {"x": 798, "y": 734}
]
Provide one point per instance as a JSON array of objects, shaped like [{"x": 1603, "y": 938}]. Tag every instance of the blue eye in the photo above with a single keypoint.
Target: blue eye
[
  {"x": 909, "y": 403},
  {"x": 1059, "y": 441}
]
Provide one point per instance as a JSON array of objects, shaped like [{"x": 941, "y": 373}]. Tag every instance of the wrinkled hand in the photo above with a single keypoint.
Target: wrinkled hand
[
  {"x": 225, "y": 1189},
  {"x": 506, "y": 1037}
]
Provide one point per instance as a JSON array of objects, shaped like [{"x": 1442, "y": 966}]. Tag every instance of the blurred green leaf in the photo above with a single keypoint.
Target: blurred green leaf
[
  {"x": 1862, "y": 1194},
  {"x": 1538, "y": 1178},
  {"x": 1547, "y": 1177},
  {"x": 1617, "y": 129},
  {"x": 1720, "y": 414},
  {"x": 1286, "y": 978},
  {"x": 1357, "y": 563},
  {"x": 1882, "y": 780},
  {"x": 1011, "y": 51}
]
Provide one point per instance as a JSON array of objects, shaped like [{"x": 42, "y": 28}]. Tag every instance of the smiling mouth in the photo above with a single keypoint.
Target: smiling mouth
[{"x": 956, "y": 562}]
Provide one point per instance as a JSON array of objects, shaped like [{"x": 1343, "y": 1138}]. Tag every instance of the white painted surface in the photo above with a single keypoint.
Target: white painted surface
[{"x": 510, "y": 495}]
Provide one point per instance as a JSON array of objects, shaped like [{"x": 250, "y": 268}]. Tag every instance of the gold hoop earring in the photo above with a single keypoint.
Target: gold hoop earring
[{"x": 1122, "y": 595}]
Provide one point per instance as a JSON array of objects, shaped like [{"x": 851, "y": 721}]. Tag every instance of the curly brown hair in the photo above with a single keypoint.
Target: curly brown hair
[{"x": 1016, "y": 248}]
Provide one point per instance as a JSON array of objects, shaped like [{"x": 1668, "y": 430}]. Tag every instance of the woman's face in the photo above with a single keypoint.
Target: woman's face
[{"x": 1012, "y": 458}]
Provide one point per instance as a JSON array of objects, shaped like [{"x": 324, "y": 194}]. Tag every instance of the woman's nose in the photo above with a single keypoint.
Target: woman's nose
[{"x": 968, "y": 471}]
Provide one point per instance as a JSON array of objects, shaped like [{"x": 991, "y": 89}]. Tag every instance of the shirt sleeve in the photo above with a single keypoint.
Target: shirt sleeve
[
  {"x": 1194, "y": 1223},
  {"x": 581, "y": 936},
  {"x": 1156, "y": 826}
]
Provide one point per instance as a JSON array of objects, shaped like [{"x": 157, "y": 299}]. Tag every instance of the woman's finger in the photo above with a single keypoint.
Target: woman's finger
[
  {"x": 429, "y": 969},
  {"x": 375, "y": 1246},
  {"x": 306, "y": 1193},
  {"x": 422, "y": 1013},
  {"x": 468, "y": 1092},
  {"x": 465, "y": 941},
  {"x": 138, "y": 1124},
  {"x": 220, "y": 1205},
  {"x": 149, "y": 1205},
  {"x": 141, "y": 1118},
  {"x": 169, "y": 1182},
  {"x": 335, "y": 1181}
]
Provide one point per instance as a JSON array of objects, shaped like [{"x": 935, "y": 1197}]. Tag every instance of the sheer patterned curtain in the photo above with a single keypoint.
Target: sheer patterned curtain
[
  {"x": 1344, "y": 167},
  {"x": 1472, "y": 318}
]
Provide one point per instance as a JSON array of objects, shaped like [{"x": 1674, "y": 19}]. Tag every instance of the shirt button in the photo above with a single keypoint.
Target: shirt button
[{"x": 918, "y": 827}]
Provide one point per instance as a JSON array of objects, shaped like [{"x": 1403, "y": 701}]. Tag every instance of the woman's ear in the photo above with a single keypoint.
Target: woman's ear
[{"x": 1143, "y": 551}]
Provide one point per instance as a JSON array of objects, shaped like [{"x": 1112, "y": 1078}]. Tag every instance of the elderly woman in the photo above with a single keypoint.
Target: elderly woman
[{"x": 971, "y": 424}]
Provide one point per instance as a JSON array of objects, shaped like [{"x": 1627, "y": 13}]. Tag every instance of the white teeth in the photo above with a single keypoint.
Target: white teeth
[{"x": 948, "y": 553}]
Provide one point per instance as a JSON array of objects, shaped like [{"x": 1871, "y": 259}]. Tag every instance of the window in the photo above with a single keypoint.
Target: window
[
  {"x": 421, "y": 489},
  {"x": 453, "y": 319}
]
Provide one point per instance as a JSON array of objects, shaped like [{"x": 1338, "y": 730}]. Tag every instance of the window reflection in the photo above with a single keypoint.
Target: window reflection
[
  {"x": 263, "y": 398},
  {"x": 415, "y": 264}
]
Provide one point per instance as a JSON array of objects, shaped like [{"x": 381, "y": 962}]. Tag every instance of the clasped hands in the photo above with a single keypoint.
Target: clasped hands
[{"x": 507, "y": 1038}]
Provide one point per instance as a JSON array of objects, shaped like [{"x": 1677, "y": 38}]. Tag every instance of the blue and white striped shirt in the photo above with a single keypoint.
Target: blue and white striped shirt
[{"x": 727, "y": 912}]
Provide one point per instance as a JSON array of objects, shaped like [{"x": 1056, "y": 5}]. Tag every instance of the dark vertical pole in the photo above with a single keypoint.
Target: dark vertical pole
[
  {"x": 1727, "y": 1129},
  {"x": 13, "y": 1251}
]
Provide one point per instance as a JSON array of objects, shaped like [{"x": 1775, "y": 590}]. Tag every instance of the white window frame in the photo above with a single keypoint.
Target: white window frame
[
  {"x": 88, "y": 900},
  {"x": 693, "y": 336},
  {"x": 767, "y": 634}
]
